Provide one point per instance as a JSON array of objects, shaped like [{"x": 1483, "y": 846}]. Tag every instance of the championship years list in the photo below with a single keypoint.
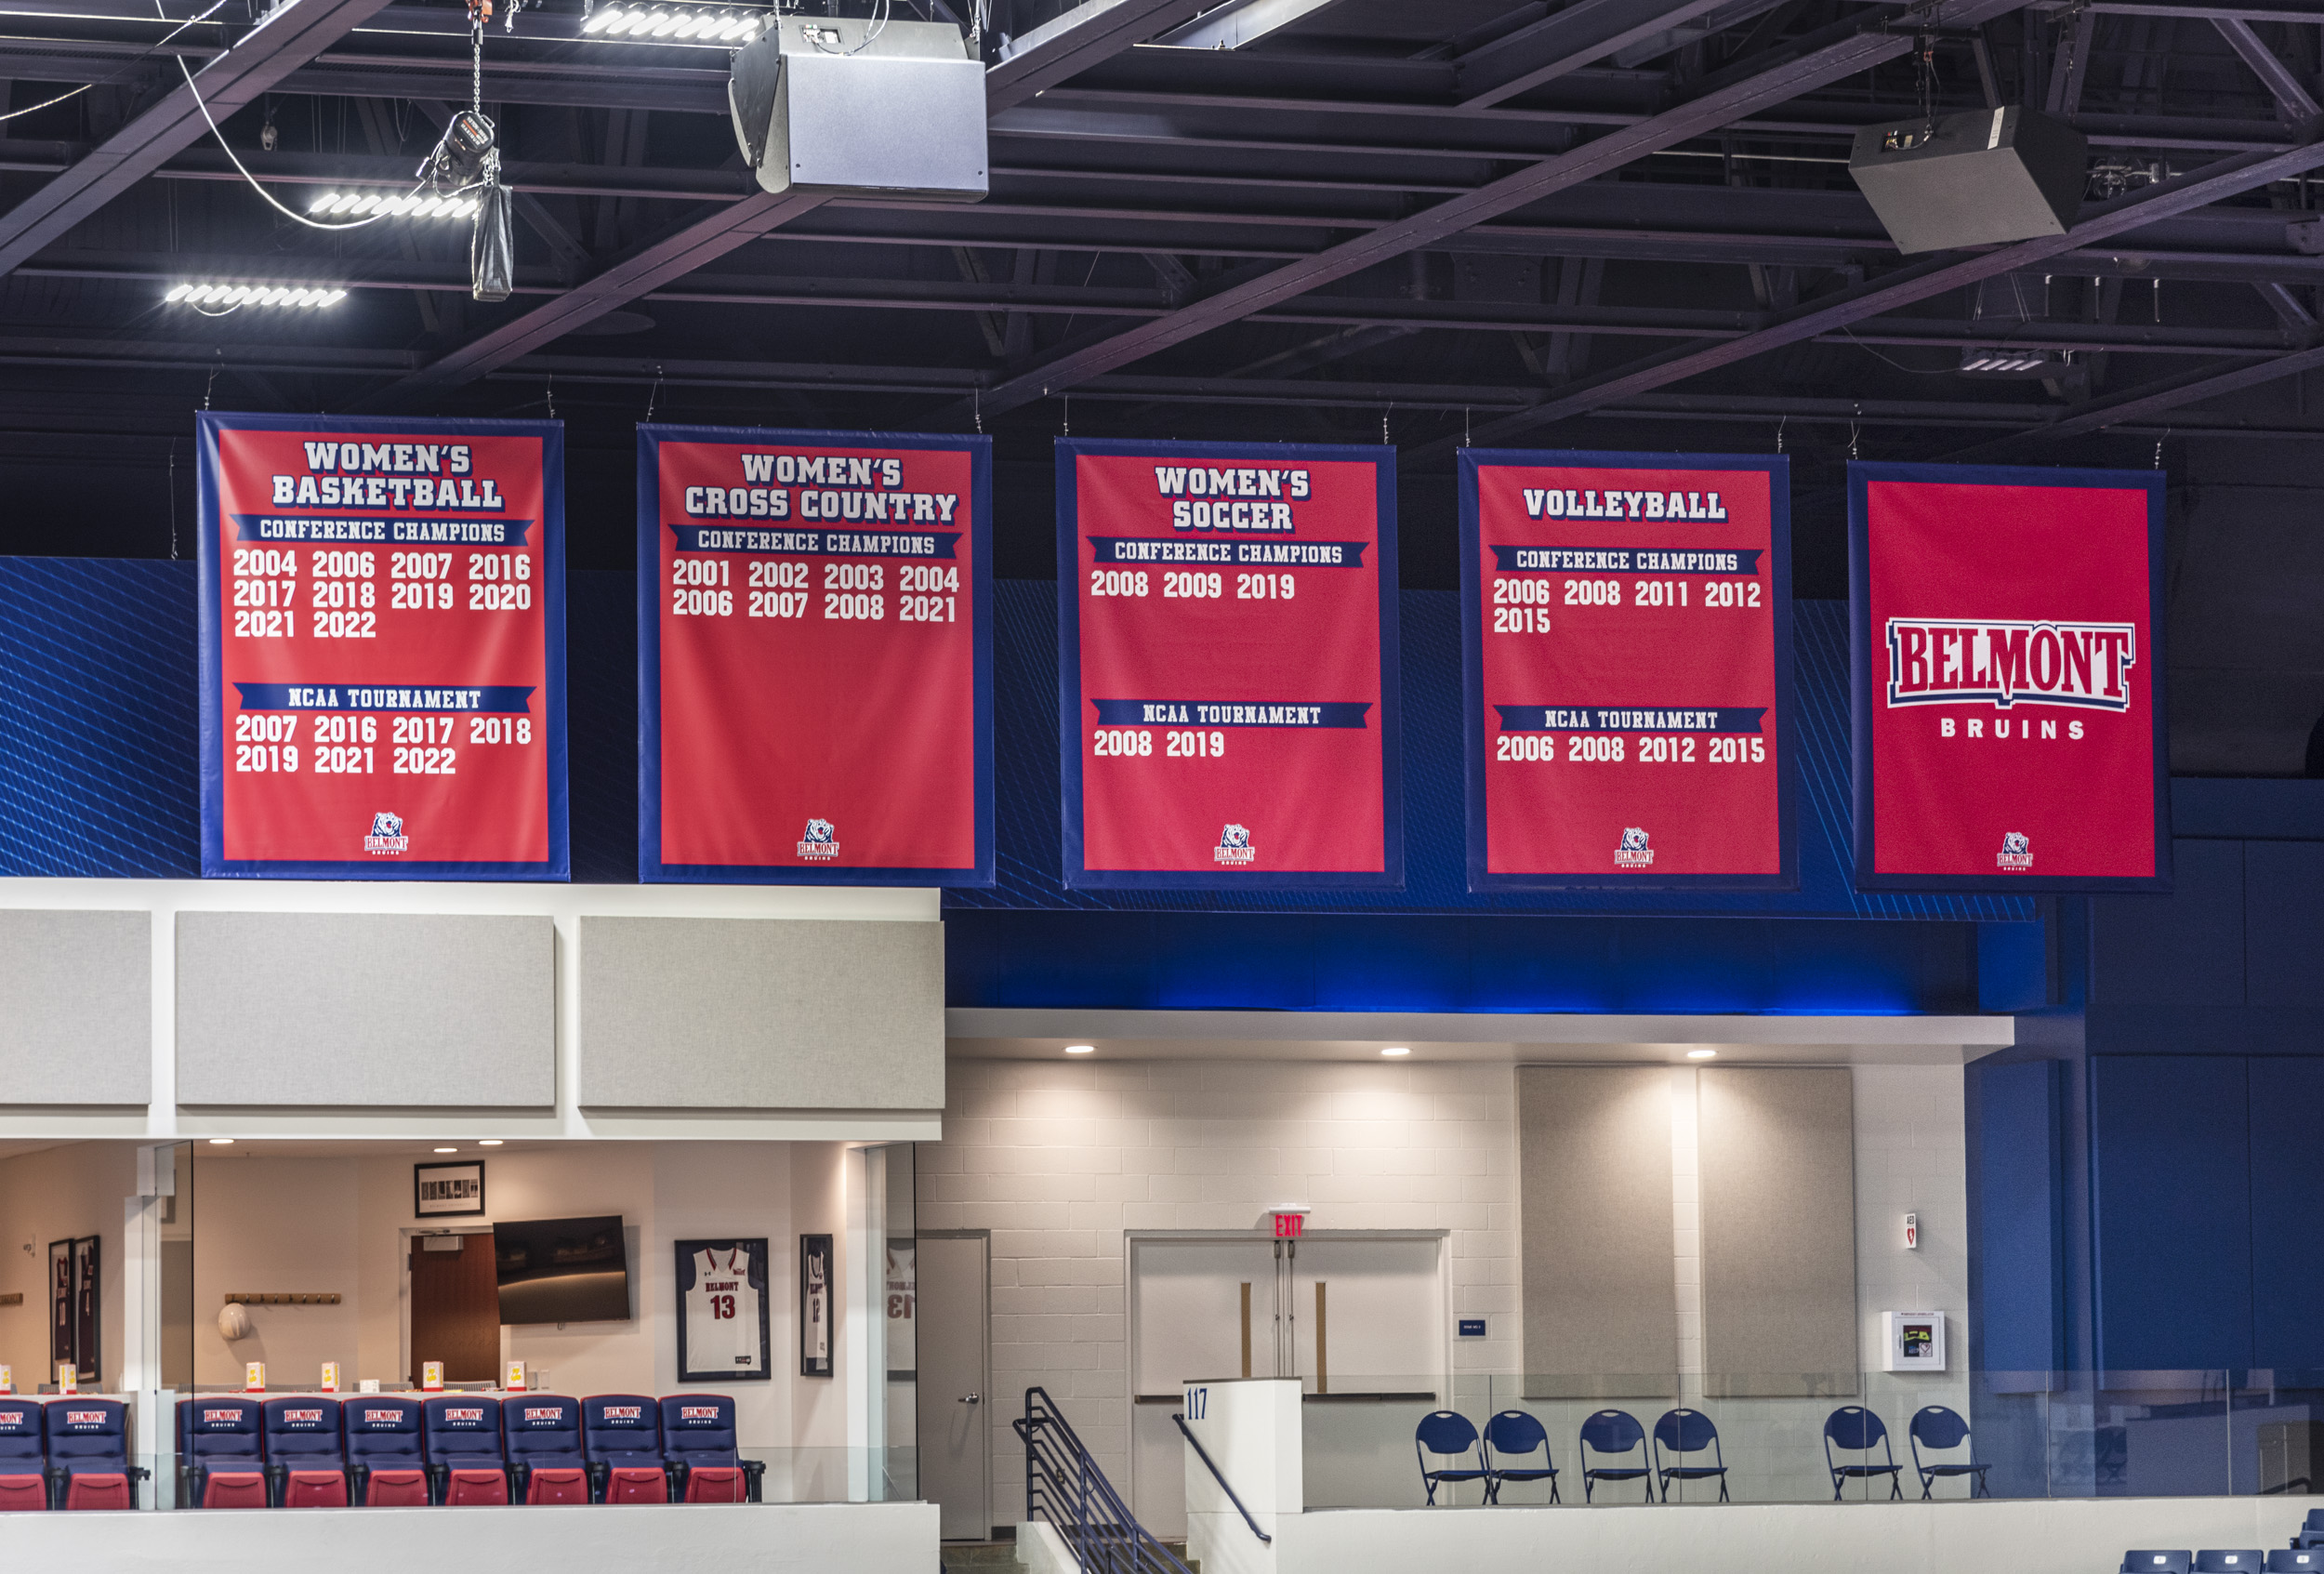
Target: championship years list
[{"x": 382, "y": 648}]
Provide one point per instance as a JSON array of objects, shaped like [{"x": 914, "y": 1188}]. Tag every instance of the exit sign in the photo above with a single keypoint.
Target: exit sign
[{"x": 1290, "y": 1227}]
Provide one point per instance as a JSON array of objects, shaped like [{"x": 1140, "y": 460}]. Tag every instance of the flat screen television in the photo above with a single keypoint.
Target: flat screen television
[{"x": 563, "y": 1270}]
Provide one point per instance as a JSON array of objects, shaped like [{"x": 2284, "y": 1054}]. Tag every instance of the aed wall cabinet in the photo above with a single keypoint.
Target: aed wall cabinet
[{"x": 1912, "y": 1342}]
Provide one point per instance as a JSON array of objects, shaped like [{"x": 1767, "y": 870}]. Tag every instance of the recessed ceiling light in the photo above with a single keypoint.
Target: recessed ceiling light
[
  {"x": 1081, "y": 1048},
  {"x": 221, "y": 1142},
  {"x": 489, "y": 1141},
  {"x": 447, "y": 1150},
  {"x": 1702, "y": 1054},
  {"x": 1396, "y": 1050}
]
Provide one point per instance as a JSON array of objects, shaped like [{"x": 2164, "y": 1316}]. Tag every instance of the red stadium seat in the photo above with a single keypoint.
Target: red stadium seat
[
  {"x": 23, "y": 1492},
  {"x": 315, "y": 1489},
  {"x": 396, "y": 1489},
  {"x": 715, "y": 1484},
  {"x": 234, "y": 1488},
  {"x": 96, "y": 1489},
  {"x": 636, "y": 1484},
  {"x": 475, "y": 1488},
  {"x": 558, "y": 1484}
]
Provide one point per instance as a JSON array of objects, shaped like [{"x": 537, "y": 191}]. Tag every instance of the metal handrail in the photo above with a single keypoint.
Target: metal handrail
[
  {"x": 1204, "y": 1454},
  {"x": 1063, "y": 1484}
]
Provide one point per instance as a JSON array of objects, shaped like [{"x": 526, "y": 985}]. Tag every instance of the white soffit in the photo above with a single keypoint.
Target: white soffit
[{"x": 1001, "y": 1034}]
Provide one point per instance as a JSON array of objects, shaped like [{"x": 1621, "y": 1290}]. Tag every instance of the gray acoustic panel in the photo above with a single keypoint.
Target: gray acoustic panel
[
  {"x": 366, "y": 1010},
  {"x": 1777, "y": 1149},
  {"x": 761, "y": 1013},
  {"x": 76, "y": 1007},
  {"x": 1594, "y": 1157}
]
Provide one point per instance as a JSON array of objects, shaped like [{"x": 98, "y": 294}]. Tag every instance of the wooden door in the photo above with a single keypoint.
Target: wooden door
[{"x": 455, "y": 1308}]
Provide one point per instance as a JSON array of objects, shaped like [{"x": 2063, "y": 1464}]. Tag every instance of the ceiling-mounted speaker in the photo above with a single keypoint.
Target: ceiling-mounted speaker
[
  {"x": 847, "y": 104},
  {"x": 1978, "y": 178}
]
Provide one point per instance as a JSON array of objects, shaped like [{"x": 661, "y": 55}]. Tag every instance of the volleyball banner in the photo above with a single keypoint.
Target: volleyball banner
[
  {"x": 1626, "y": 623},
  {"x": 814, "y": 658},
  {"x": 2006, "y": 632},
  {"x": 1227, "y": 664},
  {"x": 382, "y": 663}
]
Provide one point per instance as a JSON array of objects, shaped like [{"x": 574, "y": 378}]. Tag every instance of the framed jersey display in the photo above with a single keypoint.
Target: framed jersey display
[
  {"x": 814, "y": 1305},
  {"x": 723, "y": 1332}
]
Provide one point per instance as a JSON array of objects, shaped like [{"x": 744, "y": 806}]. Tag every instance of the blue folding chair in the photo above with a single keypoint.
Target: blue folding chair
[
  {"x": 1447, "y": 1434},
  {"x": 2156, "y": 1562},
  {"x": 1937, "y": 1427},
  {"x": 2238, "y": 1560},
  {"x": 1613, "y": 1432},
  {"x": 1859, "y": 1431},
  {"x": 1517, "y": 1434},
  {"x": 1685, "y": 1432}
]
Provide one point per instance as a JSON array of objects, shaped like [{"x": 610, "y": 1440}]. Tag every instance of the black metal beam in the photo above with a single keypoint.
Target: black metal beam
[
  {"x": 291, "y": 34},
  {"x": 2290, "y": 94},
  {"x": 2164, "y": 395},
  {"x": 1563, "y": 42}
]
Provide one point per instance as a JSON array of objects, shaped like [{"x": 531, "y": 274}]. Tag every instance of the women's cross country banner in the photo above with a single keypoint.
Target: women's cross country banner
[
  {"x": 2006, "y": 632},
  {"x": 1626, "y": 623},
  {"x": 1227, "y": 664},
  {"x": 814, "y": 658},
  {"x": 383, "y": 648}
]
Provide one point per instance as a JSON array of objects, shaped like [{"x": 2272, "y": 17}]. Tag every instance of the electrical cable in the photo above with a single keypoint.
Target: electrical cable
[{"x": 118, "y": 75}]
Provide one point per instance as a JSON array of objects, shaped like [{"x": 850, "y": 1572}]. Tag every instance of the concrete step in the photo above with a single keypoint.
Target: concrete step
[{"x": 980, "y": 1558}]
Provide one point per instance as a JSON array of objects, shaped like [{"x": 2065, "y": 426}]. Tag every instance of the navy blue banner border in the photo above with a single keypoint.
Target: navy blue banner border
[
  {"x": 1474, "y": 741},
  {"x": 1078, "y": 874},
  {"x": 652, "y": 870},
  {"x": 214, "y": 863},
  {"x": 1863, "y": 651}
]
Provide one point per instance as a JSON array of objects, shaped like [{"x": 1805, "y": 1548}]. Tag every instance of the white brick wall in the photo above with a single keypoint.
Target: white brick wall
[{"x": 1059, "y": 1159}]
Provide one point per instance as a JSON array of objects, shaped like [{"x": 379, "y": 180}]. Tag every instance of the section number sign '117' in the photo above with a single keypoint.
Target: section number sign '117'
[
  {"x": 1627, "y": 651},
  {"x": 382, "y": 625},
  {"x": 2006, "y": 630},
  {"x": 1227, "y": 664},
  {"x": 814, "y": 652}
]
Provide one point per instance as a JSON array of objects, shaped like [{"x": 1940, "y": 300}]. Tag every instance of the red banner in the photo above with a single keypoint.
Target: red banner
[
  {"x": 383, "y": 658},
  {"x": 814, "y": 644},
  {"x": 2008, "y": 696},
  {"x": 1227, "y": 664},
  {"x": 1627, "y": 623}
]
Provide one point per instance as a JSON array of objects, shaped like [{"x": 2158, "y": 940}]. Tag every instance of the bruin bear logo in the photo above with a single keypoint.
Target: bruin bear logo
[
  {"x": 1633, "y": 853},
  {"x": 820, "y": 840},
  {"x": 2013, "y": 842},
  {"x": 1634, "y": 839},
  {"x": 2016, "y": 851},
  {"x": 1234, "y": 835},
  {"x": 385, "y": 824},
  {"x": 1235, "y": 845},
  {"x": 386, "y": 839}
]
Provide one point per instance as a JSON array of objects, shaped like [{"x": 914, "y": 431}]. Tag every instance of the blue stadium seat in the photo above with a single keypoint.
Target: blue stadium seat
[
  {"x": 305, "y": 1459},
  {"x": 698, "y": 1434},
  {"x": 1685, "y": 1432},
  {"x": 23, "y": 1455},
  {"x": 2310, "y": 1534},
  {"x": 1859, "y": 1431},
  {"x": 225, "y": 1459},
  {"x": 2237, "y": 1561},
  {"x": 464, "y": 1449},
  {"x": 623, "y": 1435},
  {"x": 1935, "y": 1427},
  {"x": 2157, "y": 1562},
  {"x": 1448, "y": 1434},
  {"x": 1517, "y": 1434},
  {"x": 88, "y": 1454},
  {"x": 543, "y": 1433},
  {"x": 1613, "y": 1432},
  {"x": 2295, "y": 1560},
  {"x": 386, "y": 1457}
]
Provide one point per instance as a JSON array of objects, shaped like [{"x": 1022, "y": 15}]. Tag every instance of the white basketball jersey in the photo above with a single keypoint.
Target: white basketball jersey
[{"x": 723, "y": 1314}]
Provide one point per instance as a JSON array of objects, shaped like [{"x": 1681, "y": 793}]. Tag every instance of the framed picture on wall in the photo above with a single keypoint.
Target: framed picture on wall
[
  {"x": 86, "y": 1301},
  {"x": 439, "y": 1190},
  {"x": 724, "y": 1333},
  {"x": 60, "y": 1319},
  {"x": 814, "y": 1305}
]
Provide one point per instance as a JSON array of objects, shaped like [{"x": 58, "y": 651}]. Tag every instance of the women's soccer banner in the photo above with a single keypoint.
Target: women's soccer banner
[
  {"x": 2007, "y": 635},
  {"x": 1227, "y": 664},
  {"x": 814, "y": 658},
  {"x": 383, "y": 648},
  {"x": 1626, "y": 623}
]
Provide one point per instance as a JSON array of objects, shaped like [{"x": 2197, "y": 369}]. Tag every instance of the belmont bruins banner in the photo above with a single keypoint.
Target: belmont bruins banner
[
  {"x": 1626, "y": 623},
  {"x": 814, "y": 654},
  {"x": 382, "y": 626},
  {"x": 2008, "y": 679},
  {"x": 1227, "y": 664}
]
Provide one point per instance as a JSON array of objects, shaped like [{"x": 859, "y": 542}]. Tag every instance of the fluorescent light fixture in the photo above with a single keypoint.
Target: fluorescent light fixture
[
  {"x": 229, "y": 297},
  {"x": 1976, "y": 360},
  {"x": 1396, "y": 1049},
  {"x": 447, "y": 1150},
  {"x": 676, "y": 24},
  {"x": 1081, "y": 1048},
  {"x": 221, "y": 1142},
  {"x": 396, "y": 205},
  {"x": 1239, "y": 23},
  {"x": 1702, "y": 1054},
  {"x": 488, "y": 1142}
]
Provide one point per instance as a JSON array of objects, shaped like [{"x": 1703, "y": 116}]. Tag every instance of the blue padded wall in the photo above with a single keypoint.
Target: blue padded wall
[
  {"x": 2020, "y": 1226},
  {"x": 2171, "y": 1161},
  {"x": 2287, "y": 1113}
]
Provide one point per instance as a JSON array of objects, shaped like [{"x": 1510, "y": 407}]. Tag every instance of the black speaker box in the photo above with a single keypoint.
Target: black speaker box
[{"x": 1976, "y": 178}]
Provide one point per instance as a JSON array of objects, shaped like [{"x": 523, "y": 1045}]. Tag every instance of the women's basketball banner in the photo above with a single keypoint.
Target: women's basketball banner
[
  {"x": 814, "y": 658},
  {"x": 383, "y": 648},
  {"x": 2006, "y": 628},
  {"x": 1227, "y": 664},
  {"x": 1626, "y": 623}
]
